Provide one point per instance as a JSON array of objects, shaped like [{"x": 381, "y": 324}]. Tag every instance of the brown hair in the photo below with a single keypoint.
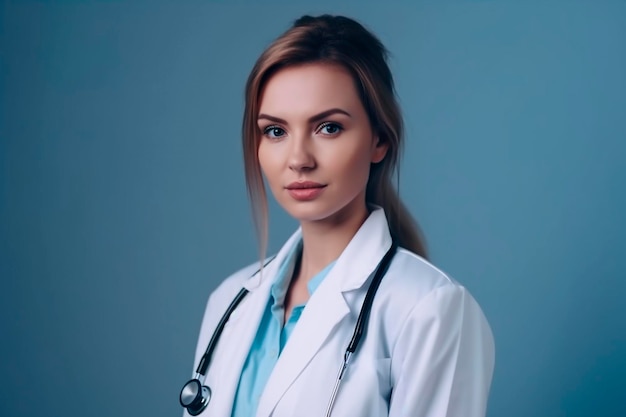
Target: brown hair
[{"x": 343, "y": 41}]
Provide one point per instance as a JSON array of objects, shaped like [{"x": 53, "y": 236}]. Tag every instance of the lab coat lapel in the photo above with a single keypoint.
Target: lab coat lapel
[
  {"x": 321, "y": 315},
  {"x": 238, "y": 335},
  {"x": 243, "y": 325},
  {"x": 327, "y": 308}
]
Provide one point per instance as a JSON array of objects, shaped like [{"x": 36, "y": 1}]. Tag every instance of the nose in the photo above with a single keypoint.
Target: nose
[{"x": 300, "y": 153}]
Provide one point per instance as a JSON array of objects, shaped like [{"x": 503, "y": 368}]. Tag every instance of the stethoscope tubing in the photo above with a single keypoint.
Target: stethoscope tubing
[
  {"x": 361, "y": 322},
  {"x": 357, "y": 335},
  {"x": 208, "y": 354}
]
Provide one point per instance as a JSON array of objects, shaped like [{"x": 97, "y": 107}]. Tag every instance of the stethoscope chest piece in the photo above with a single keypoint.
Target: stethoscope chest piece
[{"x": 195, "y": 397}]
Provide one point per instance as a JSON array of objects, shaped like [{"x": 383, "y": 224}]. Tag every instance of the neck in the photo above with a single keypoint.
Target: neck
[{"x": 324, "y": 241}]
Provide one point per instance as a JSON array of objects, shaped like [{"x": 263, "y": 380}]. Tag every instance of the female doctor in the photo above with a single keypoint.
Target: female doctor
[{"x": 322, "y": 125}]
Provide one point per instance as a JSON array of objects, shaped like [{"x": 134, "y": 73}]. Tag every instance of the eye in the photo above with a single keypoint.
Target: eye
[
  {"x": 330, "y": 128},
  {"x": 274, "y": 132}
]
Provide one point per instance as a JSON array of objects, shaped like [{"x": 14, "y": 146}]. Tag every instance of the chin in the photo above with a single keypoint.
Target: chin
[
  {"x": 309, "y": 212},
  {"x": 312, "y": 212}
]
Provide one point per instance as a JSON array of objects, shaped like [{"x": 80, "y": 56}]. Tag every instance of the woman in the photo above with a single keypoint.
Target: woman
[{"x": 321, "y": 123}]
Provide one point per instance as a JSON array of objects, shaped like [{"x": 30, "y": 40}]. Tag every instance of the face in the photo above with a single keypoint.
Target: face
[{"x": 316, "y": 145}]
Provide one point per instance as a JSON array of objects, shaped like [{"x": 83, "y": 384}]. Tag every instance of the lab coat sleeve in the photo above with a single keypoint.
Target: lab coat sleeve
[{"x": 442, "y": 362}]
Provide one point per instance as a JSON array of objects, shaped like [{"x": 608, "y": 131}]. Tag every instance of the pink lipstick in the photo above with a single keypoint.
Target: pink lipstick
[{"x": 305, "y": 190}]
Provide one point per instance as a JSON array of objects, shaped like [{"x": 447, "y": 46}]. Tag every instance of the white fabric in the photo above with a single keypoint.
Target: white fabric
[{"x": 428, "y": 350}]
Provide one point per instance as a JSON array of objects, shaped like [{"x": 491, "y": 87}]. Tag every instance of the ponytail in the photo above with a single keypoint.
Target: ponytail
[{"x": 403, "y": 228}]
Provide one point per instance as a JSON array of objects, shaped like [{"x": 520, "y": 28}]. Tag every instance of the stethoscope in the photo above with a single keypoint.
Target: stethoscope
[{"x": 195, "y": 396}]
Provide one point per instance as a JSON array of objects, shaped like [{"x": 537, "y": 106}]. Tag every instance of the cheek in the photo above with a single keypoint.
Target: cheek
[
  {"x": 264, "y": 158},
  {"x": 355, "y": 167},
  {"x": 268, "y": 163}
]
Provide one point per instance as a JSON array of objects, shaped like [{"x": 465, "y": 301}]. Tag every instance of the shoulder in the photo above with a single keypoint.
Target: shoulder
[
  {"x": 415, "y": 292},
  {"x": 411, "y": 276},
  {"x": 226, "y": 291},
  {"x": 236, "y": 279}
]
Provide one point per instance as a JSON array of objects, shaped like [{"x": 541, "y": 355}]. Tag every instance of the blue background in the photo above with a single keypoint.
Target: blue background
[{"x": 122, "y": 199}]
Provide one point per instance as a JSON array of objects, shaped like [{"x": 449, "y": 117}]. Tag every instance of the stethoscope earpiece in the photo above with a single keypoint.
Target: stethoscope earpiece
[{"x": 194, "y": 396}]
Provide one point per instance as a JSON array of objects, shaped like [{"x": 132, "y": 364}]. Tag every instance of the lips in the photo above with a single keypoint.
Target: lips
[{"x": 305, "y": 190}]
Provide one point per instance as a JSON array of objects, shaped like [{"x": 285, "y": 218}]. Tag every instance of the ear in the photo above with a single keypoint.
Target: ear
[{"x": 379, "y": 150}]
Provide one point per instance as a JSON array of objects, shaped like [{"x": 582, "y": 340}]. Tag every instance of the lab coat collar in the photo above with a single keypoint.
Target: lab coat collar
[
  {"x": 267, "y": 273},
  {"x": 364, "y": 252},
  {"x": 357, "y": 261},
  {"x": 327, "y": 306}
]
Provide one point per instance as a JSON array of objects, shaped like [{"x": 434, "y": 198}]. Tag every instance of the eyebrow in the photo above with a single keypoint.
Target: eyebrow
[{"x": 316, "y": 118}]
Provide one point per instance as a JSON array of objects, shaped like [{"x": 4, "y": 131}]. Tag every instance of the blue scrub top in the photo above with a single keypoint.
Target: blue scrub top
[{"x": 271, "y": 336}]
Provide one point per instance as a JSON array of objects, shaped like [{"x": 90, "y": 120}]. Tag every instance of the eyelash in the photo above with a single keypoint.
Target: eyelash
[
  {"x": 333, "y": 124},
  {"x": 268, "y": 129}
]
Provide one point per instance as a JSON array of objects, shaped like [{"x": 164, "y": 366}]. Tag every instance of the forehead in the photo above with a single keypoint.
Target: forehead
[{"x": 308, "y": 89}]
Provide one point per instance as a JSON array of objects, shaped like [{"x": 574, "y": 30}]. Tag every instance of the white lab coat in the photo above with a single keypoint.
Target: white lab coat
[{"x": 428, "y": 350}]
